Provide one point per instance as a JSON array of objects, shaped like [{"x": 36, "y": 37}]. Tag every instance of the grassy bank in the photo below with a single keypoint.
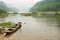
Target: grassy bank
[{"x": 5, "y": 24}]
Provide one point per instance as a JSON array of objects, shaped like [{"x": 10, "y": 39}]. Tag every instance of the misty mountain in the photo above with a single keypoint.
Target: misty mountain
[
  {"x": 6, "y": 7},
  {"x": 46, "y": 6}
]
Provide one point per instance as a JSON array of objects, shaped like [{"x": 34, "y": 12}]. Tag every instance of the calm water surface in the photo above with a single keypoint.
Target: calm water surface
[{"x": 34, "y": 29}]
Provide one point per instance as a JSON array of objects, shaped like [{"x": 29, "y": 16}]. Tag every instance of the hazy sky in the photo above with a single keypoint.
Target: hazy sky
[{"x": 23, "y": 5}]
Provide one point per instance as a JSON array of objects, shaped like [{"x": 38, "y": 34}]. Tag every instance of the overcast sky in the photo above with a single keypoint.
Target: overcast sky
[{"x": 23, "y": 5}]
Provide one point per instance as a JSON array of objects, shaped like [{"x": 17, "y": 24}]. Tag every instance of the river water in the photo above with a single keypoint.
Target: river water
[{"x": 34, "y": 29}]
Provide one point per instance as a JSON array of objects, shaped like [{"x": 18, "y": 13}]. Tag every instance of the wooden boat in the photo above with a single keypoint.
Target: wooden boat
[{"x": 12, "y": 29}]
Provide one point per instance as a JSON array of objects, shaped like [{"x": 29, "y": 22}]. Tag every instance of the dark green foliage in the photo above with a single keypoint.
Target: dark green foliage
[
  {"x": 46, "y": 6},
  {"x": 2, "y": 11},
  {"x": 3, "y": 14}
]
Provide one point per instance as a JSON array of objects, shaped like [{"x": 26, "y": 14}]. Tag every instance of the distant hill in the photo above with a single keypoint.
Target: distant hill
[
  {"x": 6, "y": 7},
  {"x": 46, "y": 6}
]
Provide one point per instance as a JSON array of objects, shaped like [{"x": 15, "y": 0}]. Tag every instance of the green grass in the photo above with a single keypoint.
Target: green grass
[{"x": 5, "y": 24}]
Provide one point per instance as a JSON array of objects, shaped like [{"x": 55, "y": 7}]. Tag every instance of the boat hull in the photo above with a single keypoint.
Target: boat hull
[{"x": 13, "y": 30}]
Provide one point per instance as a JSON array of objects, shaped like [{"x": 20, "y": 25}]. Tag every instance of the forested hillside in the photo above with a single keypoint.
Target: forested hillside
[{"x": 46, "y": 6}]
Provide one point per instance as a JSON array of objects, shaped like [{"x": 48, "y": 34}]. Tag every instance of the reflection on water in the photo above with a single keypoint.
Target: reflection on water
[{"x": 34, "y": 29}]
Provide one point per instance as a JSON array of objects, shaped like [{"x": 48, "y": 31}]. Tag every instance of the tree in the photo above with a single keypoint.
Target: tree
[{"x": 2, "y": 11}]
